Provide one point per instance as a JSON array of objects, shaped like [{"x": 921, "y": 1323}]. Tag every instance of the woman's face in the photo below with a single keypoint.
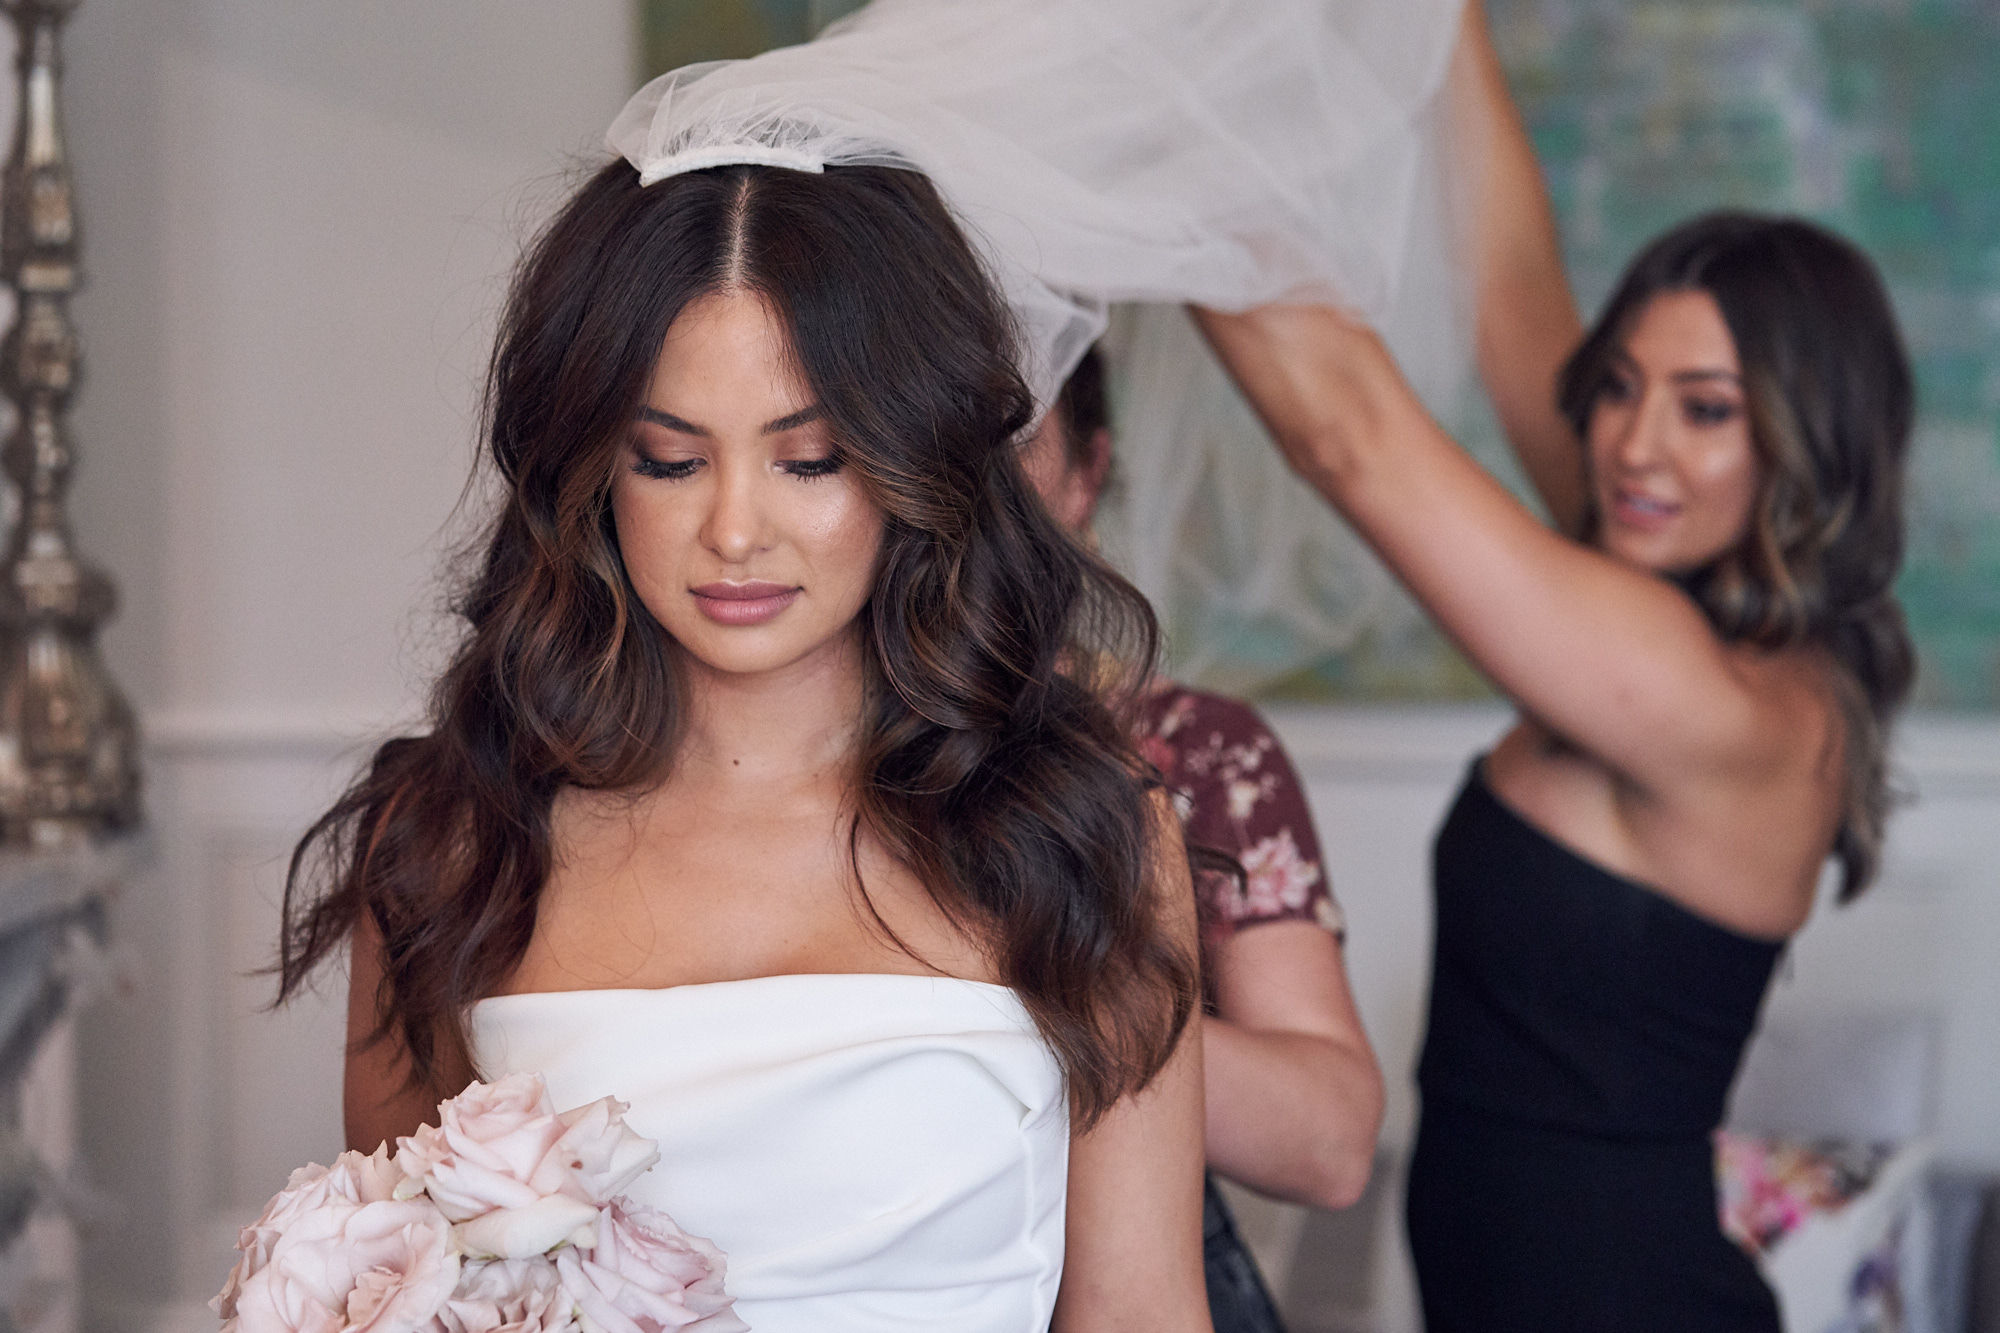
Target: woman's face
[
  {"x": 1069, "y": 489},
  {"x": 743, "y": 532},
  {"x": 1673, "y": 470}
]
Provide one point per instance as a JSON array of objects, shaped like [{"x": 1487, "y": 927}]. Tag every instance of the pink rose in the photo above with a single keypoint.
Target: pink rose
[
  {"x": 487, "y": 1144},
  {"x": 353, "y": 1268},
  {"x": 534, "y": 1229},
  {"x": 597, "y": 1156},
  {"x": 508, "y": 1296},
  {"x": 646, "y": 1275},
  {"x": 503, "y": 1146},
  {"x": 352, "y": 1179},
  {"x": 375, "y": 1177}
]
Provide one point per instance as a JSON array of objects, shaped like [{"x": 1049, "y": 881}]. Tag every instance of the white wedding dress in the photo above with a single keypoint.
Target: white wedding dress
[{"x": 872, "y": 1152}]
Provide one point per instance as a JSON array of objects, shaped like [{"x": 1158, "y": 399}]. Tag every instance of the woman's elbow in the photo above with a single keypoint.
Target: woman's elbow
[
  {"x": 1340, "y": 1178},
  {"x": 1344, "y": 1158}
]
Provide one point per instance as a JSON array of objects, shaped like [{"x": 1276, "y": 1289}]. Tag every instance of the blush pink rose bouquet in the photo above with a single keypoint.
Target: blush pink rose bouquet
[{"x": 504, "y": 1217}]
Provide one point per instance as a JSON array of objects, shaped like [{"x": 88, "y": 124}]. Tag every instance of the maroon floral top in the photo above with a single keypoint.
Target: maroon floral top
[{"x": 1237, "y": 793}]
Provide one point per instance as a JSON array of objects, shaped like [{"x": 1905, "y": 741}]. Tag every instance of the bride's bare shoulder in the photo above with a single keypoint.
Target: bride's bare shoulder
[{"x": 582, "y": 812}]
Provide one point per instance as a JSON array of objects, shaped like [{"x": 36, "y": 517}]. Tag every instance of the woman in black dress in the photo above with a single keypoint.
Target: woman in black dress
[{"x": 1706, "y": 652}]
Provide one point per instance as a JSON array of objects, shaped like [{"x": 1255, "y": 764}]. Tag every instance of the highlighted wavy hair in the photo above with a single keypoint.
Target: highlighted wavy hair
[
  {"x": 989, "y": 762},
  {"x": 1831, "y": 400}
]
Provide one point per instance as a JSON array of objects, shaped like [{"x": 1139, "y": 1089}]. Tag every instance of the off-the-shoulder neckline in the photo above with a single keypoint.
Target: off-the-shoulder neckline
[{"x": 750, "y": 981}]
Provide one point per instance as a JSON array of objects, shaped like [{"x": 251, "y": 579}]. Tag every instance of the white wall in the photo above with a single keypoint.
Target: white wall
[{"x": 298, "y": 217}]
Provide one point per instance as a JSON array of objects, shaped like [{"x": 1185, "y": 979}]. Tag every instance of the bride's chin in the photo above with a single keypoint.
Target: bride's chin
[{"x": 743, "y": 655}]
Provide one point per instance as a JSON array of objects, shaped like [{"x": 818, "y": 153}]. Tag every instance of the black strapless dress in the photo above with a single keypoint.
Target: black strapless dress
[{"x": 1583, "y": 1034}]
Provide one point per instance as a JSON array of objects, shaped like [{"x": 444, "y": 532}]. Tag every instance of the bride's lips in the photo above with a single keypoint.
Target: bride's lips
[{"x": 743, "y": 603}]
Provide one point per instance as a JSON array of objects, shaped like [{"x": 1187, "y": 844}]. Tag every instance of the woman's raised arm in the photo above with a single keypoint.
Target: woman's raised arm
[
  {"x": 1133, "y": 1256},
  {"x": 1616, "y": 660},
  {"x": 1527, "y": 324}
]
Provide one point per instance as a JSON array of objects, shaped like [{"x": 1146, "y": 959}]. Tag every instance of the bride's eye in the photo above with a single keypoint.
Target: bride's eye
[
  {"x": 675, "y": 469},
  {"x": 808, "y": 468}
]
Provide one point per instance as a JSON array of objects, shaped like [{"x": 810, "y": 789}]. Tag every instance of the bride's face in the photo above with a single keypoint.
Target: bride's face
[{"x": 742, "y": 530}]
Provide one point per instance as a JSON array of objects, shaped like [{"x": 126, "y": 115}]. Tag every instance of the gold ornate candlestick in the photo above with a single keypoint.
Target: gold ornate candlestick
[{"x": 68, "y": 745}]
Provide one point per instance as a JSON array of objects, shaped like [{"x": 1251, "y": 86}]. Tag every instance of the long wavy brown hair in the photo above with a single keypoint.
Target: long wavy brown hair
[
  {"x": 1831, "y": 400},
  {"x": 994, "y": 759}
]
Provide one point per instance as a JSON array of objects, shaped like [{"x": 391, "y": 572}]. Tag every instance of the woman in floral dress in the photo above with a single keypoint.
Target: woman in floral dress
[
  {"x": 1236, "y": 792},
  {"x": 1293, "y": 1092}
]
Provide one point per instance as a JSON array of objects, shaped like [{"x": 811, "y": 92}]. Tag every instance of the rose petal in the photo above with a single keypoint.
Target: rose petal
[
  {"x": 533, "y": 1229},
  {"x": 508, "y": 1296},
  {"x": 376, "y": 1175},
  {"x": 597, "y": 1156},
  {"x": 390, "y": 1265},
  {"x": 488, "y": 1143},
  {"x": 352, "y": 1179},
  {"x": 646, "y": 1275}
]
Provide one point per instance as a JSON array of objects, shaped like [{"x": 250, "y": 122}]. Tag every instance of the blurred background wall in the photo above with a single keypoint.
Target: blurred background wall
[
  {"x": 299, "y": 217},
  {"x": 298, "y": 221}
]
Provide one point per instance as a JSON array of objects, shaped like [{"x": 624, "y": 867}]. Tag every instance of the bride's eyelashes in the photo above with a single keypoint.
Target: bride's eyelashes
[
  {"x": 670, "y": 469},
  {"x": 807, "y": 469},
  {"x": 680, "y": 469}
]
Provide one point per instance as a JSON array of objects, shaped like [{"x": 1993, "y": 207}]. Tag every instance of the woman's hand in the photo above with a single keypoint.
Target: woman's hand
[{"x": 1324, "y": 385}]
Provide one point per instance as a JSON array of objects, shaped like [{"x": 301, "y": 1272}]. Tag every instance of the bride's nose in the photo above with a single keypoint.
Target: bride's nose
[{"x": 738, "y": 524}]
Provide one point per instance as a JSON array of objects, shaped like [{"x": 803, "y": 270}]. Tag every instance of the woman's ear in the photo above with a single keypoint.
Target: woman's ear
[
  {"x": 1094, "y": 473},
  {"x": 1069, "y": 486}
]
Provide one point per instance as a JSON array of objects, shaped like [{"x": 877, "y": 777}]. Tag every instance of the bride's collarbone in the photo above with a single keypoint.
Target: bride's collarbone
[{"x": 648, "y": 903}]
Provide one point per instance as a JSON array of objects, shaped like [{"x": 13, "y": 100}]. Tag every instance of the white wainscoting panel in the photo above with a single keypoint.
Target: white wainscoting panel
[{"x": 196, "y": 1101}]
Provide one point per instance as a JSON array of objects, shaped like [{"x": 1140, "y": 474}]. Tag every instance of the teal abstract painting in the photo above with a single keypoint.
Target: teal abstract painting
[
  {"x": 1880, "y": 120},
  {"x": 673, "y": 33}
]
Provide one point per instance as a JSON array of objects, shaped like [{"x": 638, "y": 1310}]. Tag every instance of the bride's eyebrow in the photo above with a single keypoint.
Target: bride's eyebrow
[
  {"x": 805, "y": 416},
  {"x": 671, "y": 422}
]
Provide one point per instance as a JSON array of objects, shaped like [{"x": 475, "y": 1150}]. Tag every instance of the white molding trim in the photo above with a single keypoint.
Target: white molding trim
[
  {"x": 231, "y": 734},
  {"x": 1937, "y": 753},
  {"x": 1949, "y": 752},
  {"x": 1391, "y": 743}
]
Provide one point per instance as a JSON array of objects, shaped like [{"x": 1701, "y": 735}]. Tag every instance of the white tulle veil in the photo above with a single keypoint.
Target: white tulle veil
[{"x": 1220, "y": 152}]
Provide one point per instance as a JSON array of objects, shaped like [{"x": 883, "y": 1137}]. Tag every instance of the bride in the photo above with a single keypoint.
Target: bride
[
  {"x": 782, "y": 784},
  {"x": 778, "y": 786}
]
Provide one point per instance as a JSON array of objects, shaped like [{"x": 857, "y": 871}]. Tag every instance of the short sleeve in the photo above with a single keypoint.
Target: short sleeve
[{"x": 1236, "y": 792}]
